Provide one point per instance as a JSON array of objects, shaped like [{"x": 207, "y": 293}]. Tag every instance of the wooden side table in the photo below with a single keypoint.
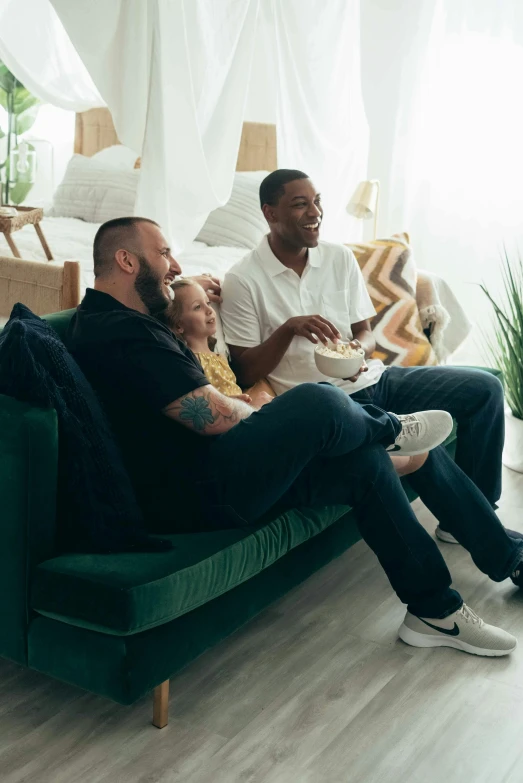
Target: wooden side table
[{"x": 26, "y": 216}]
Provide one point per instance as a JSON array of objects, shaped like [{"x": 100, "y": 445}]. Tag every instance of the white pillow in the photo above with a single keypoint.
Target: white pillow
[
  {"x": 91, "y": 192},
  {"x": 116, "y": 157},
  {"x": 240, "y": 222}
]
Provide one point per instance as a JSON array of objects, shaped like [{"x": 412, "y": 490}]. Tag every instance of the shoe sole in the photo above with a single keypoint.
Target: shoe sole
[
  {"x": 448, "y": 538},
  {"x": 416, "y": 639},
  {"x": 409, "y": 453}
]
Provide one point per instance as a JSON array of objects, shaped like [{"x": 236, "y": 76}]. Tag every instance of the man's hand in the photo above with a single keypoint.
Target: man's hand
[
  {"x": 314, "y": 328},
  {"x": 364, "y": 368},
  {"x": 259, "y": 399},
  {"x": 211, "y": 285}
]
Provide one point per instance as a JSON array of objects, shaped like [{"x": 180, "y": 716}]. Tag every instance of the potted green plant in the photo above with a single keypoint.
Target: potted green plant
[
  {"x": 17, "y": 162},
  {"x": 506, "y": 349}
]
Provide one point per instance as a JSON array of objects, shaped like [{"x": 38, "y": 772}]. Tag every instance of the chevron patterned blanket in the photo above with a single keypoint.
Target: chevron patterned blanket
[{"x": 390, "y": 274}]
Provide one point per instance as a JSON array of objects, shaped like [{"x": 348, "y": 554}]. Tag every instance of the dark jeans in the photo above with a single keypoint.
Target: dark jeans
[
  {"x": 315, "y": 446},
  {"x": 473, "y": 397}
]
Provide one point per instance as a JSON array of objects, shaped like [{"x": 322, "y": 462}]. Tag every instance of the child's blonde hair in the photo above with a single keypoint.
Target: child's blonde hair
[{"x": 175, "y": 311}]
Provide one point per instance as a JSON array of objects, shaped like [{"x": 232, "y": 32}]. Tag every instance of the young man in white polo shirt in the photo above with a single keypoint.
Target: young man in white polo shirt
[{"x": 294, "y": 290}]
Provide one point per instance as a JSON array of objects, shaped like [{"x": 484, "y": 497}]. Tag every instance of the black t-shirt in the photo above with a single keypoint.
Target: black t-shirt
[{"x": 137, "y": 367}]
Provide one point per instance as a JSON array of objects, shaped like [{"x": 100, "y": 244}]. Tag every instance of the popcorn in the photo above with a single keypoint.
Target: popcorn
[{"x": 339, "y": 351}]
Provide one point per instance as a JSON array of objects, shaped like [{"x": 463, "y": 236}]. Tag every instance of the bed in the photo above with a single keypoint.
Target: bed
[{"x": 71, "y": 238}]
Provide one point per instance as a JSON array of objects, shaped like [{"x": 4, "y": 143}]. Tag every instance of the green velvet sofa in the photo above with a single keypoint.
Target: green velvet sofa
[{"x": 121, "y": 625}]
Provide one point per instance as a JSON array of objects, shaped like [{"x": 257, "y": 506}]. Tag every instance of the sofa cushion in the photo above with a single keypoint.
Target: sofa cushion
[
  {"x": 127, "y": 593},
  {"x": 390, "y": 274}
]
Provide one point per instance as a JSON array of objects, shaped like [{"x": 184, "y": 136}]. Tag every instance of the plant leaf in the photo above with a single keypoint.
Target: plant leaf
[
  {"x": 505, "y": 342},
  {"x": 23, "y": 100},
  {"x": 7, "y": 80},
  {"x": 19, "y": 192},
  {"x": 500, "y": 315},
  {"x": 26, "y": 120}
]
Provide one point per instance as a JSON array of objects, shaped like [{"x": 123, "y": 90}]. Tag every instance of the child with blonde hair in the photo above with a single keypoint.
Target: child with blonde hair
[{"x": 193, "y": 320}]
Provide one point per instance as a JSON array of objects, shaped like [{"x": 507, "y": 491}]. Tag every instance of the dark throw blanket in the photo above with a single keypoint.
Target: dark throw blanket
[{"x": 97, "y": 508}]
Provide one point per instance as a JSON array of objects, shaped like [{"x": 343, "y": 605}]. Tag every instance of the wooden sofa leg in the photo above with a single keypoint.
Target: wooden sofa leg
[{"x": 161, "y": 705}]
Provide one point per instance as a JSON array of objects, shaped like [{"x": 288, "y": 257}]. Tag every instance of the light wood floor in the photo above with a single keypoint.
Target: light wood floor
[{"x": 315, "y": 690}]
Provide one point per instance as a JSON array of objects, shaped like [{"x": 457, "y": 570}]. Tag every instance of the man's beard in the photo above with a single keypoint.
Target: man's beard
[{"x": 150, "y": 289}]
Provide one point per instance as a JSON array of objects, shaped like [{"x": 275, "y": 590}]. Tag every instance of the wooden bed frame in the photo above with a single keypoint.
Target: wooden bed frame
[{"x": 95, "y": 131}]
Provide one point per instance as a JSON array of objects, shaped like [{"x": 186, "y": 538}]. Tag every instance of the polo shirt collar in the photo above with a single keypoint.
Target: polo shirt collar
[{"x": 274, "y": 267}]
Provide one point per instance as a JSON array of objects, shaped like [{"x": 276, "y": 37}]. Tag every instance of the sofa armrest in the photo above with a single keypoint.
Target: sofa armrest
[{"x": 28, "y": 478}]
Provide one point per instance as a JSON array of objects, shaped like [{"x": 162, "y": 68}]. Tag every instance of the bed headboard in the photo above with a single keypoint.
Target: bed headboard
[{"x": 95, "y": 131}]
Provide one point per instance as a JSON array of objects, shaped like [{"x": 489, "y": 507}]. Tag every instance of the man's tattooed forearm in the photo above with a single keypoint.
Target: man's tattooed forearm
[{"x": 203, "y": 411}]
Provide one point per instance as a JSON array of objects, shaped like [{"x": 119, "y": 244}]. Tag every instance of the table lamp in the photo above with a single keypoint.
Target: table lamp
[{"x": 364, "y": 203}]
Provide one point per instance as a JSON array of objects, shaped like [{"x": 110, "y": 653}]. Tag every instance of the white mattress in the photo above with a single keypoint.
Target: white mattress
[{"x": 72, "y": 239}]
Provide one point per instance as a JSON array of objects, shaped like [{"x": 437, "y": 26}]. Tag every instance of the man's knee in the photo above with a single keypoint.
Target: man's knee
[
  {"x": 487, "y": 388},
  {"x": 323, "y": 401},
  {"x": 494, "y": 385}
]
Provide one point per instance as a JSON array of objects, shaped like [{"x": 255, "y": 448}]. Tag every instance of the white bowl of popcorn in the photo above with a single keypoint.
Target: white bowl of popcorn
[{"x": 338, "y": 360}]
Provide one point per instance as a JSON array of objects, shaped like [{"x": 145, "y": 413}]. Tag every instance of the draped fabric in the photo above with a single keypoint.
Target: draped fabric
[
  {"x": 36, "y": 48},
  {"x": 175, "y": 75},
  {"x": 321, "y": 123}
]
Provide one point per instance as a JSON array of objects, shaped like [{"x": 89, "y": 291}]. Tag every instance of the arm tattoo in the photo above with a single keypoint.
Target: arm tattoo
[
  {"x": 202, "y": 412},
  {"x": 197, "y": 412}
]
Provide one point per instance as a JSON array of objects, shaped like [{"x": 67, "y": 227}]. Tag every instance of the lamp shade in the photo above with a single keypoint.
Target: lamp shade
[{"x": 364, "y": 202}]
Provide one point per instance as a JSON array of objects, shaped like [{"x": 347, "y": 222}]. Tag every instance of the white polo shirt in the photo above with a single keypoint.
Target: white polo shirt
[{"x": 260, "y": 294}]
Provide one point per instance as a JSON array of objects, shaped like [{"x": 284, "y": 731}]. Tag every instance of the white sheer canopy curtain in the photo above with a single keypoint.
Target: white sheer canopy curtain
[
  {"x": 36, "y": 48},
  {"x": 458, "y": 157},
  {"x": 174, "y": 75},
  {"x": 322, "y": 128}
]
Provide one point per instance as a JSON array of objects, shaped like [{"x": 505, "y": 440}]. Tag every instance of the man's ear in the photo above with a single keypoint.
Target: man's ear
[
  {"x": 125, "y": 260},
  {"x": 269, "y": 213}
]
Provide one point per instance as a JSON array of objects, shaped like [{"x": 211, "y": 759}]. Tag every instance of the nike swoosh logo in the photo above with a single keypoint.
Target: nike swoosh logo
[
  {"x": 448, "y": 631},
  {"x": 394, "y": 448}
]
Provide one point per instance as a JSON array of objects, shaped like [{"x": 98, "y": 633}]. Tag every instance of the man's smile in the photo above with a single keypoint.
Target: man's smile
[{"x": 313, "y": 226}]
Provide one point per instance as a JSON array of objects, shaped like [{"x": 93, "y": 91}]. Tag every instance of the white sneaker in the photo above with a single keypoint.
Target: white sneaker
[
  {"x": 421, "y": 432},
  {"x": 463, "y": 630}
]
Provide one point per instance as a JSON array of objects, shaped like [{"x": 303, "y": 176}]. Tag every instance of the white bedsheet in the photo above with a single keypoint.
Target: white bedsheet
[{"x": 72, "y": 239}]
